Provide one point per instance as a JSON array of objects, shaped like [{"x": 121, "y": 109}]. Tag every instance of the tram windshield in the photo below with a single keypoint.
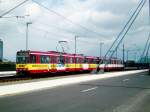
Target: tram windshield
[{"x": 22, "y": 57}]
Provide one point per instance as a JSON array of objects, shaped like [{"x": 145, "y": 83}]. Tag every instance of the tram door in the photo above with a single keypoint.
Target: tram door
[
  {"x": 61, "y": 63},
  {"x": 53, "y": 63}
]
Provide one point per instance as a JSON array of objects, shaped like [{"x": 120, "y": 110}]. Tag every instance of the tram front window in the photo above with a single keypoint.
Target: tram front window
[{"x": 22, "y": 59}]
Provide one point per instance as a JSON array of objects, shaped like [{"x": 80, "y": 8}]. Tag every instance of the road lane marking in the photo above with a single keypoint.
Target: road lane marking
[
  {"x": 126, "y": 80},
  {"x": 142, "y": 75},
  {"x": 13, "y": 89},
  {"x": 90, "y": 89}
]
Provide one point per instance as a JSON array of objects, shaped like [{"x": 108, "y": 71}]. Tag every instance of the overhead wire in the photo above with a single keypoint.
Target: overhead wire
[
  {"x": 70, "y": 21},
  {"x": 10, "y": 10},
  {"x": 49, "y": 32},
  {"x": 46, "y": 31},
  {"x": 58, "y": 28},
  {"x": 83, "y": 27}
]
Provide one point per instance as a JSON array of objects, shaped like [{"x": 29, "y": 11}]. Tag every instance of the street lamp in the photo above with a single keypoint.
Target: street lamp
[
  {"x": 123, "y": 53},
  {"x": 100, "y": 52},
  {"x": 27, "y": 31},
  {"x": 75, "y": 46}
]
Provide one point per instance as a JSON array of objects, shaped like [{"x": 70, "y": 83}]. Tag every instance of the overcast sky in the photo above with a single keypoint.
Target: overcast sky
[{"x": 103, "y": 20}]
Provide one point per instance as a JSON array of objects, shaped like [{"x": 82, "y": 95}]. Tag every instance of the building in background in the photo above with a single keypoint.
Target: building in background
[{"x": 1, "y": 50}]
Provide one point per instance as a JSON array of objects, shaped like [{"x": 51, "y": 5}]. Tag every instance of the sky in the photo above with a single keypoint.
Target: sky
[{"x": 92, "y": 21}]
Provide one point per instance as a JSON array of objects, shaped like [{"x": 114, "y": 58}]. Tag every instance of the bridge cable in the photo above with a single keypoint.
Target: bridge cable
[
  {"x": 136, "y": 13},
  {"x": 146, "y": 46},
  {"x": 123, "y": 28},
  {"x": 127, "y": 30},
  {"x": 145, "y": 52}
]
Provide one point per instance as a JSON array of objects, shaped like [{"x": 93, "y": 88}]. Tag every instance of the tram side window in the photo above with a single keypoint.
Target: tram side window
[
  {"x": 121, "y": 62},
  {"x": 42, "y": 59},
  {"x": 71, "y": 60},
  {"x": 109, "y": 61},
  {"x": 91, "y": 61},
  {"x": 33, "y": 59},
  {"x": 47, "y": 59},
  {"x": 67, "y": 60},
  {"x": 114, "y": 62},
  {"x": 85, "y": 60},
  {"x": 61, "y": 60},
  {"x": 118, "y": 62},
  {"x": 53, "y": 59},
  {"x": 77, "y": 60},
  {"x": 94, "y": 61},
  {"x": 81, "y": 60}
]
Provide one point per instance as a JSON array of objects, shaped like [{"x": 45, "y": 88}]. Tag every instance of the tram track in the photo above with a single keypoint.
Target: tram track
[{"x": 13, "y": 79}]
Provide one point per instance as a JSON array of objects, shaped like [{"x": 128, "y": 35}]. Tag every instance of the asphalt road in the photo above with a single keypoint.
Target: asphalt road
[{"x": 120, "y": 94}]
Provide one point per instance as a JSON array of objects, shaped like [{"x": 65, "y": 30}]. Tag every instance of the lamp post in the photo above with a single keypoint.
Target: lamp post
[
  {"x": 75, "y": 45},
  {"x": 75, "y": 49},
  {"x": 100, "y": 52},
  {"x": 116, "y": 52},
  {"x": 123, "y": 53},
  {"x": 128, "y": 51},
  {"x": 27, "y": 31}
]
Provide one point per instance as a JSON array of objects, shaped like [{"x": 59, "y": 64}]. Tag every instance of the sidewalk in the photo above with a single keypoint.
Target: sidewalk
[
  {"x": 7, "y": 73},
  {"x": 44, "y": 84}
]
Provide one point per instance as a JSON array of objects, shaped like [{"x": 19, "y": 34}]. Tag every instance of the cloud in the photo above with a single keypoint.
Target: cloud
[{"x": 106, "y": 17}]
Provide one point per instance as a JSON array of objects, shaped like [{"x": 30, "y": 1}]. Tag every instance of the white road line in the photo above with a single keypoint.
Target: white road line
[
  {"x": 142, "y": 75},
  {"x": 90, "y": 89},
  {"x": 126, "y": 80},
  {"x": 11, "y": 89}
]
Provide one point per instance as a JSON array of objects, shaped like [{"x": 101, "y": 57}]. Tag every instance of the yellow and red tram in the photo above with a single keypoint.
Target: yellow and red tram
[{"x": 33, "y": 62}]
